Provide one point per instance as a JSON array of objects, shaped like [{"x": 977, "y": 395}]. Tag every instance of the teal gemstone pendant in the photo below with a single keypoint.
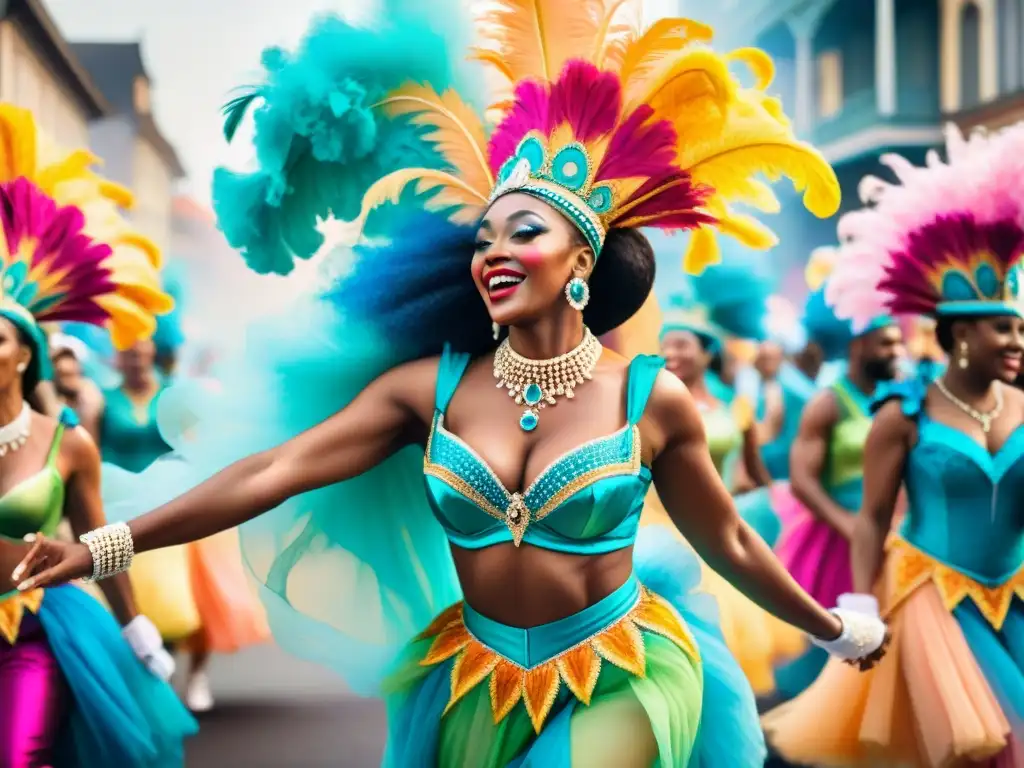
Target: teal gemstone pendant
[
  {"x": 532, "y": 394},
  {"x": 528, "y": 421}
]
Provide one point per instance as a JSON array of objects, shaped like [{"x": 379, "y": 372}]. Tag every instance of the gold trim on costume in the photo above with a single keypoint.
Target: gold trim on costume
[
  {"x": 912, "y": 568},
  {"x": 579, "y": 667},
  {"x": 12, "y": 610}
]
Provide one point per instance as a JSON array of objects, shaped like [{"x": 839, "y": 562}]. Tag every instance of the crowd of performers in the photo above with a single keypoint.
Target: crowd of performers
[{"x": 679, "y": 532}]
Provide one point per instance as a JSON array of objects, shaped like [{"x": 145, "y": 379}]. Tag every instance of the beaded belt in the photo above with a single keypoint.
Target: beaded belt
[
  {"x": 12, "y": 610},
  {"x": 909, "y": 568},
  {"x": 577, "y": 664}
]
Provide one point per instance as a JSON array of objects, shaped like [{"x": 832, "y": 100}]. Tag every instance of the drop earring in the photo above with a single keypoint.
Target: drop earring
[
  {"x": 962, "y": 361},
  {"x": 21, "y": 367},
  {"x": 495, "y": 330},
  {"x": 577, "y": 293}
]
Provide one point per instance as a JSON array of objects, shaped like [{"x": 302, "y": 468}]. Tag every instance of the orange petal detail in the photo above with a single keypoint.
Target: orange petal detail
[
  {"x": 655, "y": 614},
  {"x": 623, "y": 645},
  {"x": 580, "y": 669},
  {"x": 506, "y": 688},
  {"x": 540, "y": 689},
  {"x": 449, "y": 615},
  {"x": 471, "y": 667},
  {"x": 449, "y": 642}
]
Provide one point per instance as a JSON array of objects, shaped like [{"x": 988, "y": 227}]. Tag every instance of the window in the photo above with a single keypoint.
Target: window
[
  {"x": 830, "y": 83},
  {"x": 970, "y": 56}
]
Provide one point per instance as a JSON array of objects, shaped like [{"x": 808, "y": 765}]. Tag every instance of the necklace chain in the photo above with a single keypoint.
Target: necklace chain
[
  {"x": 985, "y": 419},
  {"x": 15, "y": 434},
  {"x": 539, "y": 383}
]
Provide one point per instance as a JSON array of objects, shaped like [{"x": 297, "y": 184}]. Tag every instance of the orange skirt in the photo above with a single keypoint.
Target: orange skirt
[
  {"x": 926, "y": 704},
  {"x": 230, "y": 614}
]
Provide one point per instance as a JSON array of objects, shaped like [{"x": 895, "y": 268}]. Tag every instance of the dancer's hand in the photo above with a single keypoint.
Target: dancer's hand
[
  {"x": 862, "y": 642},
  {"x": 50, "y": 563},
  {"x": 144, "y": 638}
]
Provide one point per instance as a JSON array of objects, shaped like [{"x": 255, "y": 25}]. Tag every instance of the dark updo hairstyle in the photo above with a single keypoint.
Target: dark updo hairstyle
[
  {"x": 417, "y": 288},
  {"x": 944, "y": 332},
  {"x": 31, "y": 377}
]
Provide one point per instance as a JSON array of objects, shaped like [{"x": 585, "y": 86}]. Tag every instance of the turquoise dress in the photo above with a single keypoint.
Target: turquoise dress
[
  {"x": 128, "y": 441},
  {"x": 797, "y": 390},
  {"x": 120, "y": 713}
]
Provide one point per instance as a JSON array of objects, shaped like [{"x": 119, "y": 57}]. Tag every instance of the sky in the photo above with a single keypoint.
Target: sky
[{"x": 196, "y": 51}]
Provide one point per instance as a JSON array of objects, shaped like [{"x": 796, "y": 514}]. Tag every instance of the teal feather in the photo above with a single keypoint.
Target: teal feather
[
  {"x": 319, "y": 142},
  {"x": 235, "y": 110}
]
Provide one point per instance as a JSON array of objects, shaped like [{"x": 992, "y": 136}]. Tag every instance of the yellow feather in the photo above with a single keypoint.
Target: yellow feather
[
  {"x": 619, "y": 30},
  {"x": 748, "y": 230},
  {"x": 115, "y": 193},
  {"x": 72, "y": 167},
  {"x": 142, "y": 243},
  {"x": 751, "y": 142},
  {"x": 663, "y": 38},
  {"x": 128, "y": 323},
  {"x": 449, "y": 191},
  {"x": 456, "y": 130},
  {"x": 759, "y": 63},
  {"x": 535, "y": 38},
  {"x": 701, "y": 252},
  {"x": 17, "y": 143},
  {"x": 687, "y": 85},
  {"x": 756, "y": 194}
]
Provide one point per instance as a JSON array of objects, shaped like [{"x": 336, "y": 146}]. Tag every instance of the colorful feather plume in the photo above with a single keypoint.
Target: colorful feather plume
[
  {"x": 103, "y": 271},
  {"x": 946, "y": 238},
  {"x": 627, "y": 127}
]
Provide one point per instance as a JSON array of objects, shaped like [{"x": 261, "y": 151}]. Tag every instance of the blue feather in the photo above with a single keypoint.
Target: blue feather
[{"x": 829, "y": 332}]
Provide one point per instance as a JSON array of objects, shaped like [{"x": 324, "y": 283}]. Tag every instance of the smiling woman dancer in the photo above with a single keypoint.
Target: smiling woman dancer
[
  {"x": 946, "y": 242},
  {"x": 570, "y": 646}
]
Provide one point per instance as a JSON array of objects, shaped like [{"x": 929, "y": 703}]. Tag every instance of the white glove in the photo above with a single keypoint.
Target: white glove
[
  {"x": 859, "y": 603},
  {"x": 147, "y": 645},
  {"x": 861, "y": 636}
]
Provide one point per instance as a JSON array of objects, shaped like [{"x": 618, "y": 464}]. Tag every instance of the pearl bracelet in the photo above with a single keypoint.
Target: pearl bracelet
[
  {"x": 861, "y": 636},
  {"x": 112, "y": 550}
]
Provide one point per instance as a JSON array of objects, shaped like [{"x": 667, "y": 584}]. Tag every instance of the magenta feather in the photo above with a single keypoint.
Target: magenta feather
[{"x": 44, "y": 240}]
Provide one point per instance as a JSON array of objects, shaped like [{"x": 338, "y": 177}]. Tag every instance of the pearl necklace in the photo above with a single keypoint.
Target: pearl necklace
[
  {"x": 15, "y": 434},
  {"x": 537, "y": 383},
  {"x": 985, "y": 419}
]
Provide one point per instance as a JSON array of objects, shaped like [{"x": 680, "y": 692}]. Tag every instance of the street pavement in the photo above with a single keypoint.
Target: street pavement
[{"x": 274, "y": 711}]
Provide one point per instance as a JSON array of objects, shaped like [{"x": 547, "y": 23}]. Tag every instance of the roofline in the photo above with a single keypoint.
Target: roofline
[
  {"x": 56, "y": 48},
  {"x": 148, "y": 130}
]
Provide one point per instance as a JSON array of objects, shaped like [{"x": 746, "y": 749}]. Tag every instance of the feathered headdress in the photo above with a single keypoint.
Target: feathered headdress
[
  {"x": 946, "y": 240},
  {"x": 613, "y": 125},
  {"x": 69, "y": 253},
  {"x": 832, "y": 333}
]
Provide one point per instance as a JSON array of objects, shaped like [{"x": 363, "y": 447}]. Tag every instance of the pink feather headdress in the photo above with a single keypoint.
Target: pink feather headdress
[{"x": 946, "y": 240}]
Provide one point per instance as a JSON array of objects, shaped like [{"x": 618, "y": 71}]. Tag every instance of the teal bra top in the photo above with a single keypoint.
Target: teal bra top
[
  {"x": 36, "y": 504},
  {"x": 964, "y": 503},
  {"x": 128, "y": 442},
  {"x": 586, "y": 502}
]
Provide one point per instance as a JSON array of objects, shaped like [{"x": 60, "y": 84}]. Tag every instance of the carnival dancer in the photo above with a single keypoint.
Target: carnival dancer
[
  {"x": 945, "y": 241},
  {"x": 75, "y": 688},
  {"x": 197, "y": 595},
  {"x": 535, "y": 232},
  {"x": 818, "y": 506}
]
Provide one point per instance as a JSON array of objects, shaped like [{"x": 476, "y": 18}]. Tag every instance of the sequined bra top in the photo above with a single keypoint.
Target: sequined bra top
[
  {"x": 587, "y": 501},
  {"x": 36, "y": 504},
  {"x": 964, "y": 504}
]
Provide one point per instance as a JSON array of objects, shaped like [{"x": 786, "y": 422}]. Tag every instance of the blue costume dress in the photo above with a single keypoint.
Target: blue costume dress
[
  {"x": 120, "y": 714},
  {"x": 128, "y": 441},
  {"x": 952, "y": 685}
]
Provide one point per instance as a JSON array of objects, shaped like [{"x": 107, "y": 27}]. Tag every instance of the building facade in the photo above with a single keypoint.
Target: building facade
[
  {"x": 40, "y": 72},
  {"x": 135, "y": 151}
]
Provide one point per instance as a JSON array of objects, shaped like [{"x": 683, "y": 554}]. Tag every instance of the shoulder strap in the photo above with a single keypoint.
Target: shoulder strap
[
  {"x": 849, "y": 400},
  {"x": 643, "y": 371},
  {"x": 449, "y": 373},
  {"x": 55, "y": 445}
]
